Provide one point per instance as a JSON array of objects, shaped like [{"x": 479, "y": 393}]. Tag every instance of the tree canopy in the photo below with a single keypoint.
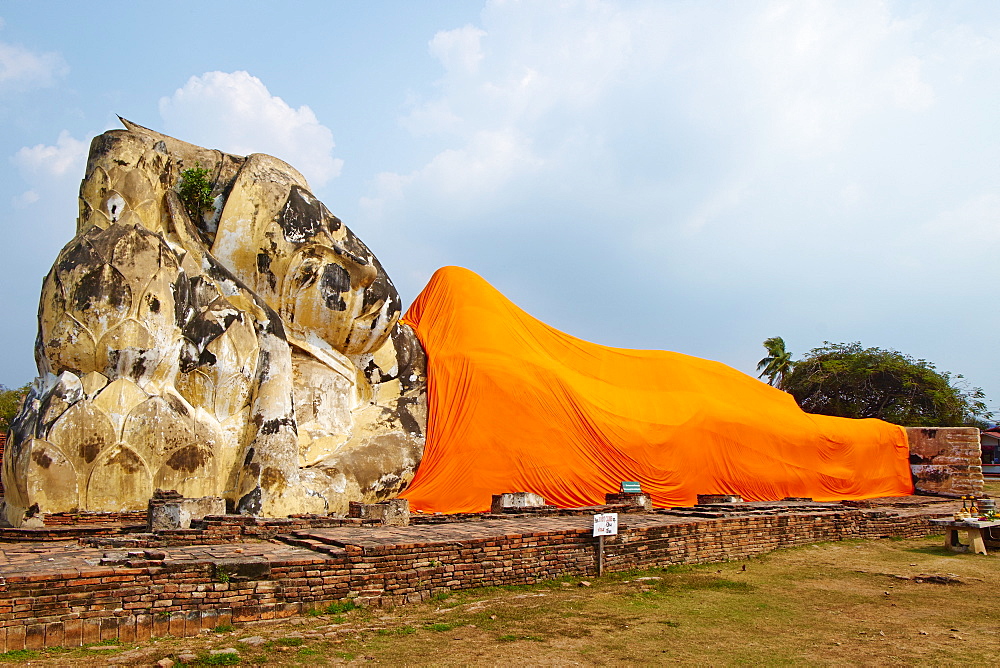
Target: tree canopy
[
  {"x": 847, "y": 380},
  {"x": 10, "y": 403},
  {"x": 778, "y": 362}
]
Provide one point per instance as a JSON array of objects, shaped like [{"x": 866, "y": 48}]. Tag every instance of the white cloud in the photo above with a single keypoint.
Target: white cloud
[
  {"x": 466, "y": 178},
  {"x": 632, "y": 91},
  {"x": 21, "y": 68},
  {"x": 805, "y": 153},
  {"x": 26, "y": 199},
  {"x": 50, "y": 169},
  {"x": 973, "y": 221},
  {"x": 458, "y": 50},
  {"x": 819, "y": 68},
  {"x": 726, "y": 200},
  {"x": 497, "y": 106},
  {"x": 236, "y": 113},
  {"x": 66, "y": 156}
]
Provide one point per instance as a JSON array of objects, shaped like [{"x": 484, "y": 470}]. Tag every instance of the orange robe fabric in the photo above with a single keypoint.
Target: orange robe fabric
[{"x": 518, "y": 406}]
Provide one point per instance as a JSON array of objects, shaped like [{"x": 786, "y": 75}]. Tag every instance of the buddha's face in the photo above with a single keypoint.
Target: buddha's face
[{"x": 323, "y": 281}]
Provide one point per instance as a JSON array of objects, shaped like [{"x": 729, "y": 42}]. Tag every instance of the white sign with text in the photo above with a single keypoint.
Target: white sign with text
[{"x": 606, "y": 524}]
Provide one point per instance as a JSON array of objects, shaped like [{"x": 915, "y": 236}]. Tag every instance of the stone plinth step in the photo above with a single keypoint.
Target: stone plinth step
[
  {"x": 313, "y": 543},
  {"x": 319, "y": 537}
]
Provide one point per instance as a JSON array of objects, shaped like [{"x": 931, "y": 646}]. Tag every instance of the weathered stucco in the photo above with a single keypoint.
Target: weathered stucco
[
  {"x": 946, "y": 460},
  {"x": 254, "y": 353}
]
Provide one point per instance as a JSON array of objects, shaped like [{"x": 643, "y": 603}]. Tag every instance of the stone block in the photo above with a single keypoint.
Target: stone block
[
  {"x": 72, "y": 633},
  {"x": 109, "y": 628},
  {"x": 629, "y": 499},
  {"x": 945, "y": 460},
  {"x": 209, "y": 619},
  {"x": 392, "y": 512},
  {"x": 160, "y": 625},
  {"x": 241, "y": 569},
  {"x": 246, "y": 613},
  {"x": 709, "y": 499},
  {"x": 91, "y": 631},
  {"x": 15, "y": 638},
  {"x": 176, "y": 623},
  {"x": 55, "y": 634},
  {"x": 126, "y": 629},
  {"x": 507, "y": 500},
  {"x": 34, "y": 636},
  {"x": 177, "y": 513}
]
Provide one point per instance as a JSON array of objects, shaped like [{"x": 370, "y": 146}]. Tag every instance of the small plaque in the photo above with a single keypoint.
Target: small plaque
[{"x": 606, "y": 524}]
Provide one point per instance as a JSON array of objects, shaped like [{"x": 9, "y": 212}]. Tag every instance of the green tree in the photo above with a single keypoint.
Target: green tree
[
  {"x": 848, "y": 380},
  {"x": 195, "y": 191},
  {"x": 10, "y": 403},
  {"x": 778, "y": 362}
]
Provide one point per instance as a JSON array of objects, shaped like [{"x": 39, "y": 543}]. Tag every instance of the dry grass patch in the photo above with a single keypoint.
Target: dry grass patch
[{"x": 844, "y": 603}]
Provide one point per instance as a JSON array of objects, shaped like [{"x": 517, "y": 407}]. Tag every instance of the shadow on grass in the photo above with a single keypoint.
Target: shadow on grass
[
  {"x": 697, "y": 582},
  {"x": 935, "y": 550}
]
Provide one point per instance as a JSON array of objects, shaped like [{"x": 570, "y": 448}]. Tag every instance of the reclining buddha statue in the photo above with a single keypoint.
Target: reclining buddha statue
[
  {"x": 249, "y": 350},
  {"x": 240, "y": 342}
]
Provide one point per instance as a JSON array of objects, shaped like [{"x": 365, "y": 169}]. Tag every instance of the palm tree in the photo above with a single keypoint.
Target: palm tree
[{"x": 777, "y": 363}]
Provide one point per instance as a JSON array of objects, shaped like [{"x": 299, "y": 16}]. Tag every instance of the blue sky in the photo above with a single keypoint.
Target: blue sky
[{"x": 687, "y": 176}]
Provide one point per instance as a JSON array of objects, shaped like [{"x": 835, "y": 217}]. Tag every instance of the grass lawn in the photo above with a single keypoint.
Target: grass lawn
[{"x": 843, "y": 603}]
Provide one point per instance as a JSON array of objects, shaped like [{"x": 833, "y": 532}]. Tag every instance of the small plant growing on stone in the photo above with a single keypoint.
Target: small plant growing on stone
[
  {"x": 439, "y": 626},
  {"x": 223, "y": 577},
  {"x": 195, "y": 191},
  {"x": 289, "y": 642},
  {"x": 18, "y": 655},
  {"x": 224, "y": 659},
  {"x": 337, "y": 608}
]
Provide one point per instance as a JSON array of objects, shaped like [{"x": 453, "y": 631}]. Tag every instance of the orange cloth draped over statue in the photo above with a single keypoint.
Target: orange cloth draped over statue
[{"x": 517, "y": 406}]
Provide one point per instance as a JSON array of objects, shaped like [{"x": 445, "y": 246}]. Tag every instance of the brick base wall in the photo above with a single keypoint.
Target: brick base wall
[
  {"x": 3, "y": 446},
  {"x": 144, "y": 594}
]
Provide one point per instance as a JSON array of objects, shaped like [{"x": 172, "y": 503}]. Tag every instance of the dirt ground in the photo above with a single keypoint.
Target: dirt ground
[{"x": 886, "y": 602}]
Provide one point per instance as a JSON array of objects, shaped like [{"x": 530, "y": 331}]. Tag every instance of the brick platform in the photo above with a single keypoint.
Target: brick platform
[{"x": 64, "y": 594}]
